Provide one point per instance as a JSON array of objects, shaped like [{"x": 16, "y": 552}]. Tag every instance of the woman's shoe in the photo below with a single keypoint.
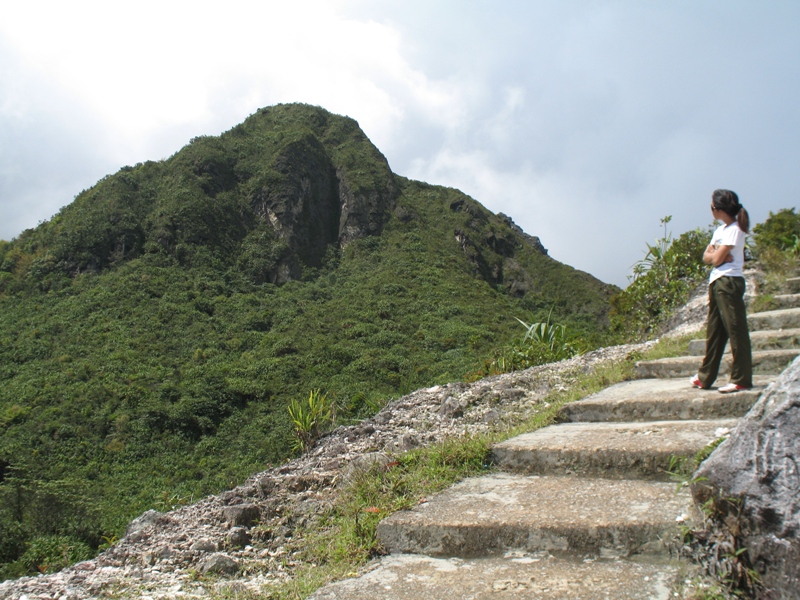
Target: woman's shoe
[
  {"x": 695, "y": 381},
  {"x": 731, "y": 387}
]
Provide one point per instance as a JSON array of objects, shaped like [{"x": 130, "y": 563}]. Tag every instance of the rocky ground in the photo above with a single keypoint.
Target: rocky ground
[{"x": 241, "y": 536}]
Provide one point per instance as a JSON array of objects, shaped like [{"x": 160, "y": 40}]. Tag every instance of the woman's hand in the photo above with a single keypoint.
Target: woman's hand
[{"x": 717, "y": 255}]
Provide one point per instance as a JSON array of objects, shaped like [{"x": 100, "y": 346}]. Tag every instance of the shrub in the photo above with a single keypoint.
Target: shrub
[
  {"x": 52, "y": 553},
  {"x": 662, "y": 281},
  {"x": 551, "y": 337},
  {"x": 781, "y": 230},
  {"x": 310, "y": 418},
  {"x": 543, "y": 343}
]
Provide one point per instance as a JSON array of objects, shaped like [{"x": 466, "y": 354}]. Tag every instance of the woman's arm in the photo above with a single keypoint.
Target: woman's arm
[{"x": 717, "y": 255}]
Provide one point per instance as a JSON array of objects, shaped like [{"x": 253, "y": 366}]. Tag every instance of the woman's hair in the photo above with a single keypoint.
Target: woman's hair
[{"x": 728, "y": 202}]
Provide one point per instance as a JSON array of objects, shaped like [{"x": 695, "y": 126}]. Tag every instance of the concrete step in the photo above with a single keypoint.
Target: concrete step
[
  {"x": 519, "y": 576},
  {"x": 786, "y": 301},
  {"x": 661, "y": 399},
  {"x": 491, "y": 515},
  {"x": 784, "y": 318},
  {"x": 770, "y": 339},
  {"x": 765, "y": 362},
  {"x": 792, "y": 285},
  {"x": 609, "y": 450}
]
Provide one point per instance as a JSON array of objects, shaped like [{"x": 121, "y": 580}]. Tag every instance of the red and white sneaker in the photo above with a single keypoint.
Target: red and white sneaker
[
  {"x": 731, "y": 388},
  {"x": 695, "y": 381}
]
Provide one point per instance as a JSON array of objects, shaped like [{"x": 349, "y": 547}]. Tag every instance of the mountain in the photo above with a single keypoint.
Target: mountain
[{"x": 153, "y": 332}]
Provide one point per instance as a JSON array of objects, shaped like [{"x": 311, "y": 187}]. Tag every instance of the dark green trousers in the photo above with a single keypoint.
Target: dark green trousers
[{"x": 727, "y": 320}]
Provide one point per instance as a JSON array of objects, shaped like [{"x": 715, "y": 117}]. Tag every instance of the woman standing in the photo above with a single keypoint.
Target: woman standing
[{"x": 727, "y": 318}]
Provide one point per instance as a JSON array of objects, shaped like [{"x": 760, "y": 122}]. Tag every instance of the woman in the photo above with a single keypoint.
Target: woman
[{"x": 727, "y": 318}]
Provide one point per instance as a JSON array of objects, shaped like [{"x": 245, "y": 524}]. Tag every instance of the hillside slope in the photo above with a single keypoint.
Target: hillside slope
[
  {"x": 153, "y": 332},
  {"x": 192, "y": 551}
]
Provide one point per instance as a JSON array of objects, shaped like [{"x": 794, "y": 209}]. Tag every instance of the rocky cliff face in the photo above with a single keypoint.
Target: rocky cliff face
[
  {"x": 754, "y": 480},
  {"x": 272, "y": 195},
  {"x": 318, "y": 203}
]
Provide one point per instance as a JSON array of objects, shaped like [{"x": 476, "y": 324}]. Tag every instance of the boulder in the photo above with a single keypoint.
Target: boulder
[
  {"x": 219, "y": 563},
  {"x": 757, "y": 467},
  {"x": 204, "y": 545},
  {"x": 362, "y": 464},
  {"x": 135, "y": 527},
  {"x": 241, "y": 514},
  {"x": 238, "y": 537}
]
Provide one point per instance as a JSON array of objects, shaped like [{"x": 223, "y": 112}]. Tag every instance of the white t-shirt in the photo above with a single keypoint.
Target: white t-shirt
[{"x": 729, "y": 235}]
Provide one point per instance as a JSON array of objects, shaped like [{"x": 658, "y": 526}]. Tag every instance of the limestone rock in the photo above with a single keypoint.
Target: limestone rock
[
  {"x": 452, "y": 408},
  {"x": 530, "y": 239},
  {"x": 237, "y": 537},
  {"x": 150, "y": 558},
  {"x": 138, "y": 524},
  {"x": 219, "y": 563},
  {"x": 364, "y": 463},
  {"x": 204, "y": 545},
  {"x": 241, "y": 514},
  {"x": 758, "y": 464}
]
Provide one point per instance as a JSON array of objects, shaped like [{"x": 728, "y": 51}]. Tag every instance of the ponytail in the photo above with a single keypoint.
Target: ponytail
[
  {"x": 743, "y": 219},
  {"x": 728, "y": 202}
]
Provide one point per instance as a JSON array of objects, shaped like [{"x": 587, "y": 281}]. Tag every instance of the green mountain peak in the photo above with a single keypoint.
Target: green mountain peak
[{"x": 153, "y": 332}]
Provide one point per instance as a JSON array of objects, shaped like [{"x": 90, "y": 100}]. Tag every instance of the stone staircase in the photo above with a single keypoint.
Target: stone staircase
[{"x": 580, "y": 510}]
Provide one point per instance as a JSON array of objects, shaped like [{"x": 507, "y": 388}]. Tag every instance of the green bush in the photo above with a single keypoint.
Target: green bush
[
  {"x": 543, "y": 343},
  {"x": 662, "y": 281},
  {"x": 12, "y": 539},
  {"x": 310, "y": 419},
  {"x": 781, "y": 230},
  {"x": 52, "y": 553},
  {"x": 551, "y": 337}
]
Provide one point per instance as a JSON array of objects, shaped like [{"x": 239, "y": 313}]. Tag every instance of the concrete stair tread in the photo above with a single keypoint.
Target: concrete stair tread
[
  {"x": 792, "y": 285},
  {"x": 787, "y": 300},
  {"x": 764, "y": 362},
  {"x": 611, "y": 450},
  {"x": 571, "y": 515},
  {"x": 519, "y": 576},
  {"x": 768, "y": 339},
  {"x": 662, "y": 399},
  {"x": 783, "y": 318},
  {"x": 766, "y": 334}
]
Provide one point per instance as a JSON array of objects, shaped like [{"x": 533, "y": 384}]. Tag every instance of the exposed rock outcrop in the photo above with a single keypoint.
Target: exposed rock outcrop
[
  {"x": 319, "y": 197},
  {"x": 530, "y": 239},
  {"x": 755, "y": 478}
]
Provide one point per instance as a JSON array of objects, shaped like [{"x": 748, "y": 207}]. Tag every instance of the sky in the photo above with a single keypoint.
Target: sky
[{"x": 585, "y": 121}]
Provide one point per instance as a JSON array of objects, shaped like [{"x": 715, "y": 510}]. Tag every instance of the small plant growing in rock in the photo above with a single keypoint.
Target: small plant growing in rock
[
  {"x": 544, "y": 342},
  {"x": 718, "y": 546},
  {"x": 550, "y": 337},
  {"x": 310, "y": 418}
]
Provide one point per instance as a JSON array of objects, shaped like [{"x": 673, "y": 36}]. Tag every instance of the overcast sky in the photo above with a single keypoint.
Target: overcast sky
[{"x": 585, "y": 121}]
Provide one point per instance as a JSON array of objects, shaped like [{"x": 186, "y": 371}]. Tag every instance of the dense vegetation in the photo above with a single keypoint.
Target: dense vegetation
[
  {"x": 153, "y": 333},
  {"x": 781, "y": 231},
  {"x": 662, "y": 281}
]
